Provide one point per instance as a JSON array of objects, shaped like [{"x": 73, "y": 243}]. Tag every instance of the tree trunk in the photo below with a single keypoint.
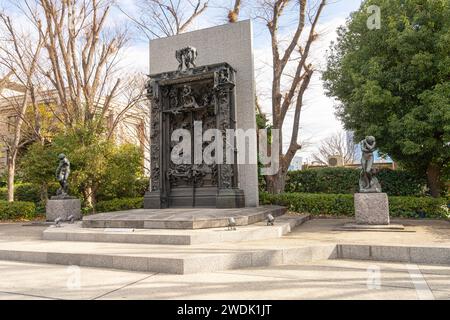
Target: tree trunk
[
  {"x": 11, "y": 169},
  {"x": 276, "y": 183},
  {"x": 434, "y": 180},
  {"x": 44, "y": 192},
  {"x": 90, "y": 195}
]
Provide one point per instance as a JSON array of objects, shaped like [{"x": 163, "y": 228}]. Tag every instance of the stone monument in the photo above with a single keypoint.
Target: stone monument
[
  {"x": 228, "y": 46},
  {"x": 183, "y": 100},
  {"x": 371, "y": 205},
  {"x": 62, "y": 205}
]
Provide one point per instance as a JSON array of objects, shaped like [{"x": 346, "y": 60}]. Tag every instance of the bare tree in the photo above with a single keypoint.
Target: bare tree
[
  {"x": 19, "y": 54},
  {"x": 288, "y": 89},
  {"x": 80, "y": 67},
  {"x": 132, "y": 98},
  {"x": 164, "y": 18},
  {"x": 335, "y": 145},
  {"x": 233, "y": 14},
  {"x": 81, "y": 57},
  {"x": 5, "y": 80}
]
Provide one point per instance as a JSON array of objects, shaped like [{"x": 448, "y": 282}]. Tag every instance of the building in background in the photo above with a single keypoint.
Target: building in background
[
  {"x": 296, "y": 164},
  {"x": 336, "y": 161},
  {"x": 132, "y": 128}
]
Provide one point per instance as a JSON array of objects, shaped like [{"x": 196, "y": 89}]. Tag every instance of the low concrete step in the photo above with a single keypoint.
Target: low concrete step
[
  {"x": 258, "y": 231},
  {"x": 162, "y": 259},
  {"x": 180, "y": 218},
  {"x": 407, "y": 254},
  {"x": 208, "y": 258}
]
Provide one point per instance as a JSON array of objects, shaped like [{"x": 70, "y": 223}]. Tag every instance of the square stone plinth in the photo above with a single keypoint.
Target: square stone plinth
[
  {"x": 372, "y": 208},
  {"x": 63, "y": 208}
]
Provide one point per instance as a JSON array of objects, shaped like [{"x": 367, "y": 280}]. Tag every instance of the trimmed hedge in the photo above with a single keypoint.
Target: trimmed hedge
[
  {"x": 345, "y": 181},
  {"x": 119, "y": 204},
  {"x": 28, "y": 192},
  {"x": 342, "y": 204},
  {"x": 17, "y": 210}
]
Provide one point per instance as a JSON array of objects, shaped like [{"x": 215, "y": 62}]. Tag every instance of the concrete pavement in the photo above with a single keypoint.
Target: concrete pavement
[
  {"x": 332, "y": 279},
  {"x": 299, "y": 278}
]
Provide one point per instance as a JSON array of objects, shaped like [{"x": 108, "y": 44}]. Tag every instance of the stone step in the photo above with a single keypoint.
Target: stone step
[
  {"x": 180, "y": 218},
  {"x": 258, "y": 231},
  {"x": 407, "y": 254},
  {"x": 162, "y": 259},
  {"x": 209, "y": 258}
]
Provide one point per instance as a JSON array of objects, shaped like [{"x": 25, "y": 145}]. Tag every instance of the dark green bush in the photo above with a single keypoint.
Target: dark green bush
[
  {"x": 342, "y": 204},
  {"x": 2, "y": 180},
  {"x": 28, "y": 192},
  {"x": 17, "y": 210},
  {"x": 411, "y": 207},
  {"x": 317, "y": 204},
  {"x": 345, "y": 181},
  {"x": 119, "y": 204},
  {"x": 401, "y": 183},
  {"x": 141, "y": 186}
]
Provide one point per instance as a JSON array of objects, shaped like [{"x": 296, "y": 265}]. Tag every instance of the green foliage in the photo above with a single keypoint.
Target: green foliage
[
  {"x": 122, "y": 178},
  {"x": 38, "y": 166},
  {"x": 323, "y": 180},
  {"x": 411, "y": 207},
  {"x": 342, "y": 204},
  {"x": 27, "y": 192},
  {"x": 99, "y": 168},
  {"x": 88, "y": 152},
  {"x": 313, "y": 203},
  {"x": 2, "y": 179},
  {"x": 394, "y": 83},
  {"x": 345, "y": 181},
  {"x": 261, "y": 121},
  {"x": 119, "y": 204},
  {"x": 17, "y": 210},
  {"x": 401, "y": 183},
  {"x": 141, "y": 186}
]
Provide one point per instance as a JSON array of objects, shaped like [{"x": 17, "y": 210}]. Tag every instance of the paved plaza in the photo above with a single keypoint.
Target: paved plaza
[{"x": 319, "y": 279}]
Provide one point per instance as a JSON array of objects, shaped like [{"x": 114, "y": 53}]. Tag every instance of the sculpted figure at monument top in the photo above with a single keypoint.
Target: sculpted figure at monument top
[{"x": 186, "y": 58}]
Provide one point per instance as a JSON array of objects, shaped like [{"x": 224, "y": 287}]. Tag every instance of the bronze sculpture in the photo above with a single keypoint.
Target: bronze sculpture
[
  {"x": 186, "y": 58},
  {"x": 368, "y": 182},
  {"x": 62, "y": 175}
]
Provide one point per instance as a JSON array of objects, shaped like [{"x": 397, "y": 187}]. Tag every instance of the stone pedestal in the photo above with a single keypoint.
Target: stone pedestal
[
  {"x": 372, "y": 209},
  {"x": 230, "y": 198},
  {"x": 204, "y": 197},
  {"x": 63, "y": 208}
]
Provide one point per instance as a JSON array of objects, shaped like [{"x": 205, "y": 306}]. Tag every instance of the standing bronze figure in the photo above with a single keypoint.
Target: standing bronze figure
[
  {"x": 62, "y": 175},
  {"x": 367, "y": 181}
]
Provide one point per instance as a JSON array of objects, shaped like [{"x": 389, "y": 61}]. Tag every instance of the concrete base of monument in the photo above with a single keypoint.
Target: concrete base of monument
[
  {"x": 203, "y": 197},
  {"x": 371, "y": 214},
  {"x": 230, "y": 198},
  {"x": 180, "y": 218},
  {"x": 259, "y": 231},
  {"x": 372, "y": 209},
  {"x": 63, "y": 208}
]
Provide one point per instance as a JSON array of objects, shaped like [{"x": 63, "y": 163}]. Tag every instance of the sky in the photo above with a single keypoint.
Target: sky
[{"x": 317, "y": 118}]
